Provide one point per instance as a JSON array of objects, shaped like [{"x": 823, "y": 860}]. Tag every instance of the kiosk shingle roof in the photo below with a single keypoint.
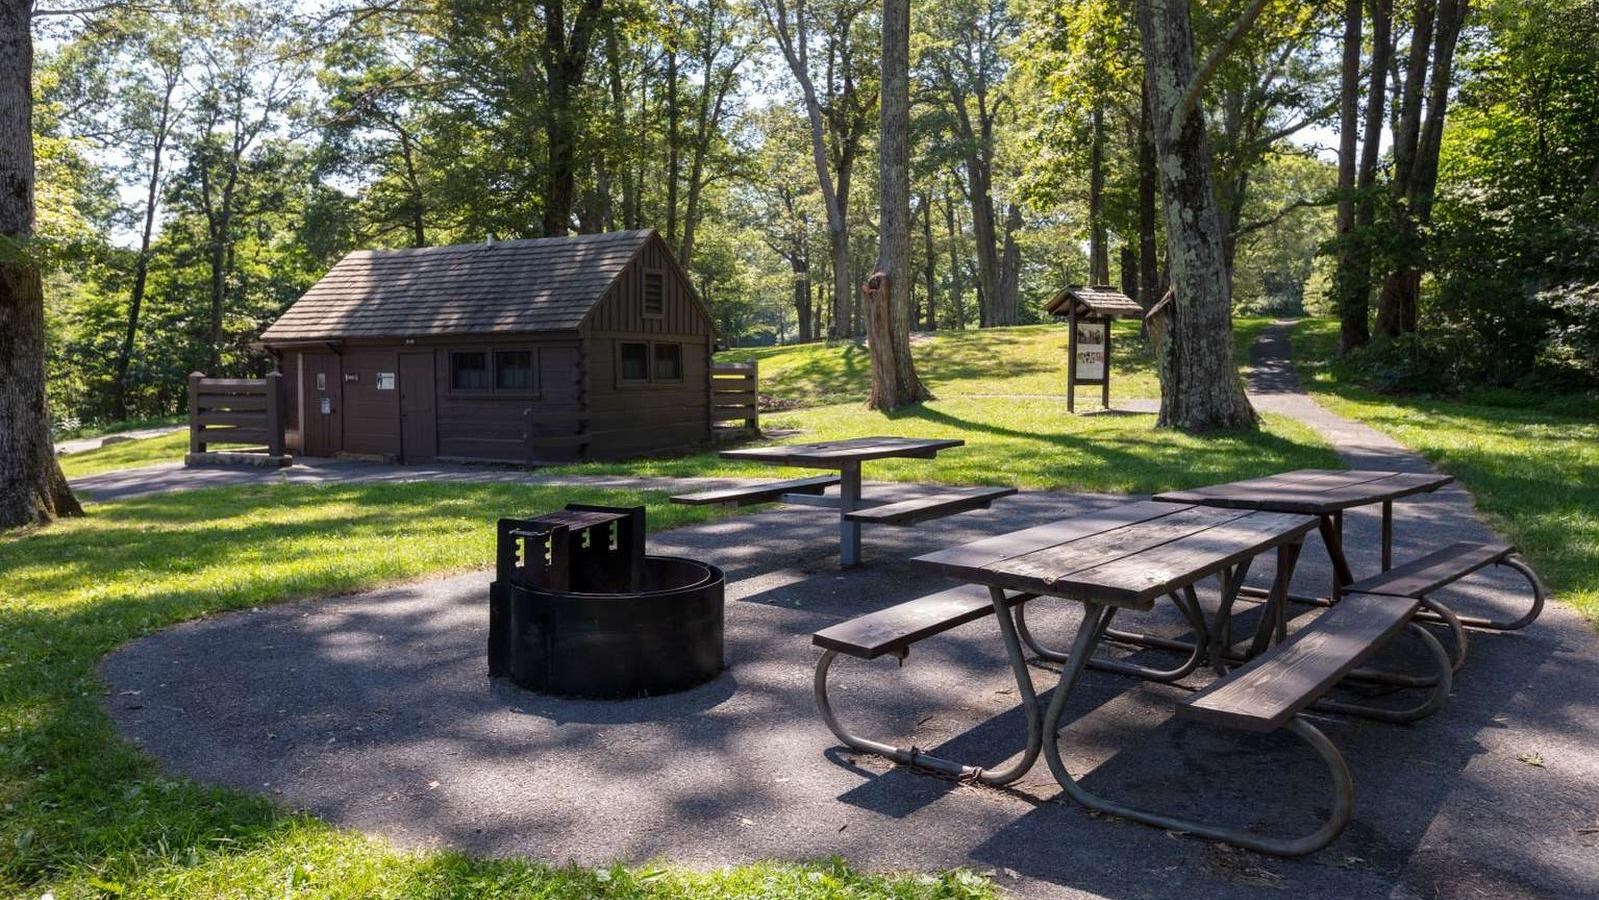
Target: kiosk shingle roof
[
  {"x": 1097, "y": 300},
  {"x": 542, "y": 284}
]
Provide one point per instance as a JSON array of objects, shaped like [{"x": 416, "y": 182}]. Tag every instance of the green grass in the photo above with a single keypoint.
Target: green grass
[
  {"x": 1026, "y": 360},
  {"x": 103, "y": 428},
  {"x": 127, "y": 455},
  {"x": 85, "y": 814},
  {"x": 1531, "y": 460},
  {"x": 1028, "y": 443}
]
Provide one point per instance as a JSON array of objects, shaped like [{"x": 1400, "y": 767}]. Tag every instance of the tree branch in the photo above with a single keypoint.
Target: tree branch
[{"x": 1217, "y": 55}]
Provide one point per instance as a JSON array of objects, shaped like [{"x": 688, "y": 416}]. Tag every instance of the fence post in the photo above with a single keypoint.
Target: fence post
[
  {"x": 196, "y": 430},
  {"x": 274, "y": 412},
  {"x": 754, "y": 421}
]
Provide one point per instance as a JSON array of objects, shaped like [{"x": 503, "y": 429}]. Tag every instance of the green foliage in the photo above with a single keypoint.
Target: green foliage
[
  {"x": 1516, "y": 244},
  {"x": 1530, "y": 458}
]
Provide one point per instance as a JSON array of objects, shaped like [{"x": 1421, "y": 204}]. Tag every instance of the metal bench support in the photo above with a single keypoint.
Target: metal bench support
[
  {"x": 1095, "y": 618},
  {"x": 915, "y": 756}
]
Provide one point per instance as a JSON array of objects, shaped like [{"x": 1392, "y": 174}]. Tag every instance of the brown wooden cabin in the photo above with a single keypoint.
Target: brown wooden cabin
[{"x": 514, "y": 351}]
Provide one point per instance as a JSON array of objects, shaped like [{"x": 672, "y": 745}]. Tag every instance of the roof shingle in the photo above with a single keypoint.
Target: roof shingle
[
  {"x": 543, "y": 284},
  {"x": 1098, "y": 300}
]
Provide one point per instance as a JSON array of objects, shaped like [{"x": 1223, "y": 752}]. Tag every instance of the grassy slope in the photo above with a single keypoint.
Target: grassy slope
[
  {"x": 1531, "y": 461},
  {"x": 1001, "y": 390},
  {"x": 1027, "y": 360},
  {"x": 86, "y": 814},
  {"x": 1029, "y": 443},
  {"x": 127, "y": 455}
]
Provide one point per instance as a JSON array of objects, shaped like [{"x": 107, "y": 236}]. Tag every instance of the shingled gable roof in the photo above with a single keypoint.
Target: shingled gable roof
[
  {"x": 1094, "y": 300},
  {"x": 507, "y": 287}
]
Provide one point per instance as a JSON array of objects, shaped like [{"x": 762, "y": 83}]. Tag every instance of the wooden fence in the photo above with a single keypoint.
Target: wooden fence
[
  {"x": 734, "y": 394},
  {"x": 236, "y": 411}
]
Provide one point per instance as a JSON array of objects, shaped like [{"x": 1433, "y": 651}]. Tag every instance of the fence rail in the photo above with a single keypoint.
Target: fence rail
[
  {"x": 236, "y": 411},
  {"x": 734, "y": 394}
]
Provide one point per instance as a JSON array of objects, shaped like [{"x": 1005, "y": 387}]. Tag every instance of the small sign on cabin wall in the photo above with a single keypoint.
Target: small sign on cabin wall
[{"x": 385, "y": 381}]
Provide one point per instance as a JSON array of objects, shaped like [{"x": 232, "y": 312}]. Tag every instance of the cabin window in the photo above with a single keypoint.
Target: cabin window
[
  {"x": 668, "y": 362},
  {"x": 469, "y": 370},
  {"x": 513, "y": 370},
  {"x": 654, "y": 292},
  {"x": 634, "y": 362}
]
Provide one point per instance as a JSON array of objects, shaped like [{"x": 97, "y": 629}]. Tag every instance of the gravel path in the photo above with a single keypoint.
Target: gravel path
[{"x": 374, "y": 712}]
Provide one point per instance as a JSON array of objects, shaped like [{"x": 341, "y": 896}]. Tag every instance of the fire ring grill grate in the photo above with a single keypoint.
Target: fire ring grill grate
[{"x": 578, "y": 609}]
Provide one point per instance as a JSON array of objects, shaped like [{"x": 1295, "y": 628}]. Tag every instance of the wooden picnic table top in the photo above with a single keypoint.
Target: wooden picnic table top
[
  {"x": 1313, "y": 491},
  {"x": 836, "y": 454},
  {"x": 1124, "y": 556}
]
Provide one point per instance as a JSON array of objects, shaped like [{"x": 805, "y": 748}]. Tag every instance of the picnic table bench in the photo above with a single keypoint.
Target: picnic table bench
[
  {"x": 1125, "y": 558},
  {"x": 846, "y": 456}
]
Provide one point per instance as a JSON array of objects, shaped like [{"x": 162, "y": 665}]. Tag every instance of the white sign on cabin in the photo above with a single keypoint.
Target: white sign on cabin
[{"x": 1090, "y": 351}]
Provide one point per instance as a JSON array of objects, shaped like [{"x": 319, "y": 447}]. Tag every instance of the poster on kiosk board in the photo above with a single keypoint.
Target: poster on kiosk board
[{"x": 1090, "y": 351}]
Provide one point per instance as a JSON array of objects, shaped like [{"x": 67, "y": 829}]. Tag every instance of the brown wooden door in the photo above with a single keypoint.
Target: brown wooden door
[
  {"x": 419, "y": 435},
  {"x": 322, "y": 428}
]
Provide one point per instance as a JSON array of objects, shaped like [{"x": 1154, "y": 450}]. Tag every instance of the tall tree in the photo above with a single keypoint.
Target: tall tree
[
  {"x": 32, "y": 488},
  {"x": 1350, "y": 288},
  {"x": 838, "y": 120},
  {"x": 965, "y": 58},
  {"x": 1353, "y": 277},
  {"x": 1416, "y": 150},
  {"x": 1200, "y": 387},
  {"x": 889, "y": 302},
  {"x": 565, "y": 59}
]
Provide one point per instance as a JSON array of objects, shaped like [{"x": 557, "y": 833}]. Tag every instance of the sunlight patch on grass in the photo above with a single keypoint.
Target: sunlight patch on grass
[
  {"x": 1021, "y": 361},
  {"x": 128, "y": 455},
  {"x": 1533, "y": 469},
  {"x": 1033, "y": 444}
]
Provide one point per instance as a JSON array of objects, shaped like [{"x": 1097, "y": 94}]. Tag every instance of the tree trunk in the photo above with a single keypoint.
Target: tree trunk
[
  {"x": 32, "y": 488},
  {"x": 957, "y": 287},
  {"x": 1200, "y": 387},
  {"x": 1098, "y": 237},
  {"x": 674, "y": 153},
  {"x": 1148, "y": 189},
  {"x": 1010, "y": 265},
  {"x": 1129, "y": 270},
  {"x": 1391, "y": 318},
  {"x": 141, "y": 264},
  {"x": 888, "y": 291},
  {"x": 1402, "y": 288},
  {"x": 802, "y": 300},
  {"x": 930, "y": 262},
  {"x": 564, "y": 61},
  {"x": 1348, "y": 287},
  {"x": 1357, "y": 255}
]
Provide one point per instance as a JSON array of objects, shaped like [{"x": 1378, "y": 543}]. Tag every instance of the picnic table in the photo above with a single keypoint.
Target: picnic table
[
  {"x": 1326, "y": 494},
  {"x": 846, "y": 457},
  {"x": 1126, "y": 557}
]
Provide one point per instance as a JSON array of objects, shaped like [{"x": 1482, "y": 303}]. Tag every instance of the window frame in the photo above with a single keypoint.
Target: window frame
[
  {"x": 491, "y": 388},
  {"x": 644, "y": 293},
  {"x": 651, "y": 380},
  {"x": 488, "y": 373},
  {"x": 655, "y": 379},
  {"x": 622, "y": 381}
]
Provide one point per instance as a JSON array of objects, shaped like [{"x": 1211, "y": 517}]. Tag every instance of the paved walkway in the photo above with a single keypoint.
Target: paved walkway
[{"x": 374, "y": 712}]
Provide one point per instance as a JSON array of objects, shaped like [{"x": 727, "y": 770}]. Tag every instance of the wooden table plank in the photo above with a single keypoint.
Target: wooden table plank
[
  {"x": 1054, "y": 565},
  {"x": 968, "y": 560},
  {"x": 1310, "y": 490},
  {"x": 834, "y": 454},
  {"x": 1141, "y": 577}
]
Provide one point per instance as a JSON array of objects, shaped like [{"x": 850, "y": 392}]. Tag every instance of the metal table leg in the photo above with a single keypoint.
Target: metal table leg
[
  {"x": 849, "y": 533},
  {"x": 915, "y": 756},
  {"x": 1088, "y": 634}
]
